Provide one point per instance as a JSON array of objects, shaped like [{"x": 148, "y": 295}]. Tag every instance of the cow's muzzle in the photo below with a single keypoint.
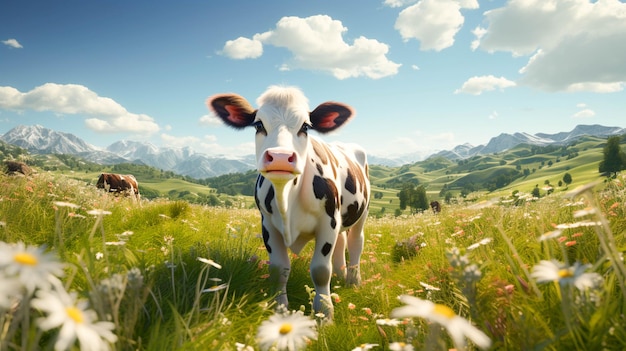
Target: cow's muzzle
[{"x": 279, "y": 162}]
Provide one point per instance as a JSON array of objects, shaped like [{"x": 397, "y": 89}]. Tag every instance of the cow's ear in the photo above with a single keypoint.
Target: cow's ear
[
  {"x": 233, "y": 109},
  {"x": 330, "y": 116}
]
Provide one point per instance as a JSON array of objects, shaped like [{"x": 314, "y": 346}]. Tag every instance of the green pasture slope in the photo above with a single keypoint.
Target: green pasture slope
[{"x": 500, "y": 270}]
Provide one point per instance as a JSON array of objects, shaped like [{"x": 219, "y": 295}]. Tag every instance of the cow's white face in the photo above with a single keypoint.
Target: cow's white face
[
  {"x": 281, "y": 139},
  {"x": 282, "y": 122}
]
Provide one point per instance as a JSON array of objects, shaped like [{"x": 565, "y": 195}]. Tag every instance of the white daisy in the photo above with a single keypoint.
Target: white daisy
[
  {"x": 555, "y": 271},
  {"x": 458, "y": 327},
  {"x": 30, "y": 264},
  {"x": 289, "y": 331},
  {"x": 75, "y": 320}
]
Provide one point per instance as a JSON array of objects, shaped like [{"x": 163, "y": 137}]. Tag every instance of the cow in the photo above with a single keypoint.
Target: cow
[
  {"x": 306, "y": 189},
  {"x": 17, "y": 168},
  {"x": 436, "y": 206},
  {"x": 125, "y": 184}
]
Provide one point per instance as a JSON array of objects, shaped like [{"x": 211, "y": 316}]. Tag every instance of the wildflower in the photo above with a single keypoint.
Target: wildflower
[
  {"x": 429, "y": 287},
  {"x": 216, "y": 288},
  {"x": 584, "y": 212},
  {"x": 550, "y": 235},
  {"x": 400, "y": 346},
  {"x": 98, "y": 212},
  {"x": 243, "y": 347},
  {"x": 364, "y": 347},
  {"x": 485, "y": 241},
  {"x": 288, "y": 331},
  {"x": 578, "y": 225},
  {"x": 209, "y": 262},
  {"x": 388, "y": 322},
  {"x": 31, "y": 265},
  {"x": 99, "y": 256},
  {"x": 554, "y": 271},
  {"x": 75, "y": 321},
  {"x": 458, "y": 327},
  {"x": 351, "y": 306},
  {"x": 65, "y": 204}
]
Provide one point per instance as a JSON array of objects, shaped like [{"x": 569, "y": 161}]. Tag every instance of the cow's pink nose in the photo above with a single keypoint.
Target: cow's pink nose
[{"x": 279, "y": 161}]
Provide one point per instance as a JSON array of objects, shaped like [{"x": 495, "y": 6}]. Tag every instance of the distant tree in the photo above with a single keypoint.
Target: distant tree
[
  {"x": 448, "y": 197},
  {"x": 567, "y": 179},
  {"x": 413, "y": 197},
  {"x": 535, "y": 192},
  {"x": 614, "y": 158}
]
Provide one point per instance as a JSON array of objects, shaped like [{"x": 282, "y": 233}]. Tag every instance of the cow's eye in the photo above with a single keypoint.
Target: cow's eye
[
  {"x": 305, "y": 128},
  {"x": 258, "y": 125}
]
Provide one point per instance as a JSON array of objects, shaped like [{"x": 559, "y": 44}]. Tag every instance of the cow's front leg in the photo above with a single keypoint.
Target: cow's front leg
[
  {"x": 321, "y": 273},
  {"x": 280, "y": 265}
]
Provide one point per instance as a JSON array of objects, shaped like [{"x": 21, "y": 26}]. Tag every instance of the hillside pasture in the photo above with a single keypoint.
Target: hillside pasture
[{"x": 173, "y": 275}]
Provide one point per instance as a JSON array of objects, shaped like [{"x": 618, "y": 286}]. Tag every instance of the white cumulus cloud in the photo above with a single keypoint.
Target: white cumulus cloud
[
  {"x": 210, "y": 120},
  {"x": 12, "y": 43},
  {"x": 586, "y": 113},
  {"x": 574, "y": 45},
  {"x": 243, "y": 48},
  {"x": 433, "y": 22},
  {"x": 106, "y": 114},
  {"x": 479, "y": 84},
  {"x": 317, "y": 43}
]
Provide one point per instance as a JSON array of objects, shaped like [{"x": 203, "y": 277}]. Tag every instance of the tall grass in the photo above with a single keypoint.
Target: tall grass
[{"x": 170, "y": 275}]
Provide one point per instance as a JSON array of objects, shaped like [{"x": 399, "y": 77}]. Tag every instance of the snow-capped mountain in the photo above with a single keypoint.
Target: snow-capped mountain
[
  {"x": 37, "y": 139},
  {"x": 185, "y": 161},
  {"x": 507, "y": 141}
]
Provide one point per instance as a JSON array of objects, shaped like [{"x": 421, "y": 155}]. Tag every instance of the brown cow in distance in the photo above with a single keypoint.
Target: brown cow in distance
[
  {"x": 436, "y": 206},
  {"x": 16, "y": 168},
  {"x": 119, "y": 184}
]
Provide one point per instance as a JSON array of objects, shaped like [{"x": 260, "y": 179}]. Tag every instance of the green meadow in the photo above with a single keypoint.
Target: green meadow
[{"x": 171, "y": 275}]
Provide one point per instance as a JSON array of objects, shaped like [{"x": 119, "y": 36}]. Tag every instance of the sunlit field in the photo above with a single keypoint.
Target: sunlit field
[{"x": 80, "y": 269}]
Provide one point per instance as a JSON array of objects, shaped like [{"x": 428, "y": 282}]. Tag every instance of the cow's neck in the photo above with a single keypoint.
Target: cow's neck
[{"x": 284, "y": 190}]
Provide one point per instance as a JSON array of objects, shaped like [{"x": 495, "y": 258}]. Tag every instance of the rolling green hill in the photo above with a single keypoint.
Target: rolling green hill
[{"x": 521, "y": 168}]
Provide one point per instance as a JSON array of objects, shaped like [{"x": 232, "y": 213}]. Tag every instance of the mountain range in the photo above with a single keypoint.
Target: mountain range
[{"x": 185, "y": 161}]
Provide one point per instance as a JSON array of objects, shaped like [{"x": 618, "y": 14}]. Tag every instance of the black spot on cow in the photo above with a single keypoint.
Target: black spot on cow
[
  {"x": 259, "y": 182},
  {"x": 268, "y": 199},
  {"x": 266, "y": 238},
  {"x": 320, "y": 170},
  {"x": 353, "y": 214},
  {"x": 326, "y": 249},
  {"x": 350, "y": 182},
  {"x": 323, "y": 187}
]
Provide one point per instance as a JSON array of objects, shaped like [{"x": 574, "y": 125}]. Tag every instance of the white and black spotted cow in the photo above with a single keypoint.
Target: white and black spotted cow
[{"x": 307, "y": 189}]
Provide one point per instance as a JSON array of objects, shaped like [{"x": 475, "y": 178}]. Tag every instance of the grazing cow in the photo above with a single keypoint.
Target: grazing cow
[
  {"x": 436, "y": 206},
  {"x": 16, "y": 168},
  {"x": 307, "y": 189},
  {"x": 119, "y": 184}
]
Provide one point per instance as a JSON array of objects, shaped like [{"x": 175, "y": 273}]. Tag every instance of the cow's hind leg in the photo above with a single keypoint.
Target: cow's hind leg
[
  {"x": 355, "y": 240},
  {"x": 339, "y": 256}
]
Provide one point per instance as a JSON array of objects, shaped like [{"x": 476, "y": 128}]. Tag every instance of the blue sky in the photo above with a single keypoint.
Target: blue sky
[{"x": 422, "y": 75}]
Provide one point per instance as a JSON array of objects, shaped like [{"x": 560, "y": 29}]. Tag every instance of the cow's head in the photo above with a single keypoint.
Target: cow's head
[{"x": 282, "y": 123}]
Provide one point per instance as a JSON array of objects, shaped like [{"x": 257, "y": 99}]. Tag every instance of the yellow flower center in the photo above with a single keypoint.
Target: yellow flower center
[
  {"x": 26, "y": 259},
  {"x": 565, "y": 273},
  {"x": 444, "y": 311},
  {"x": 75, "y": 314},
  {"x": 285, "y": 329}
]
